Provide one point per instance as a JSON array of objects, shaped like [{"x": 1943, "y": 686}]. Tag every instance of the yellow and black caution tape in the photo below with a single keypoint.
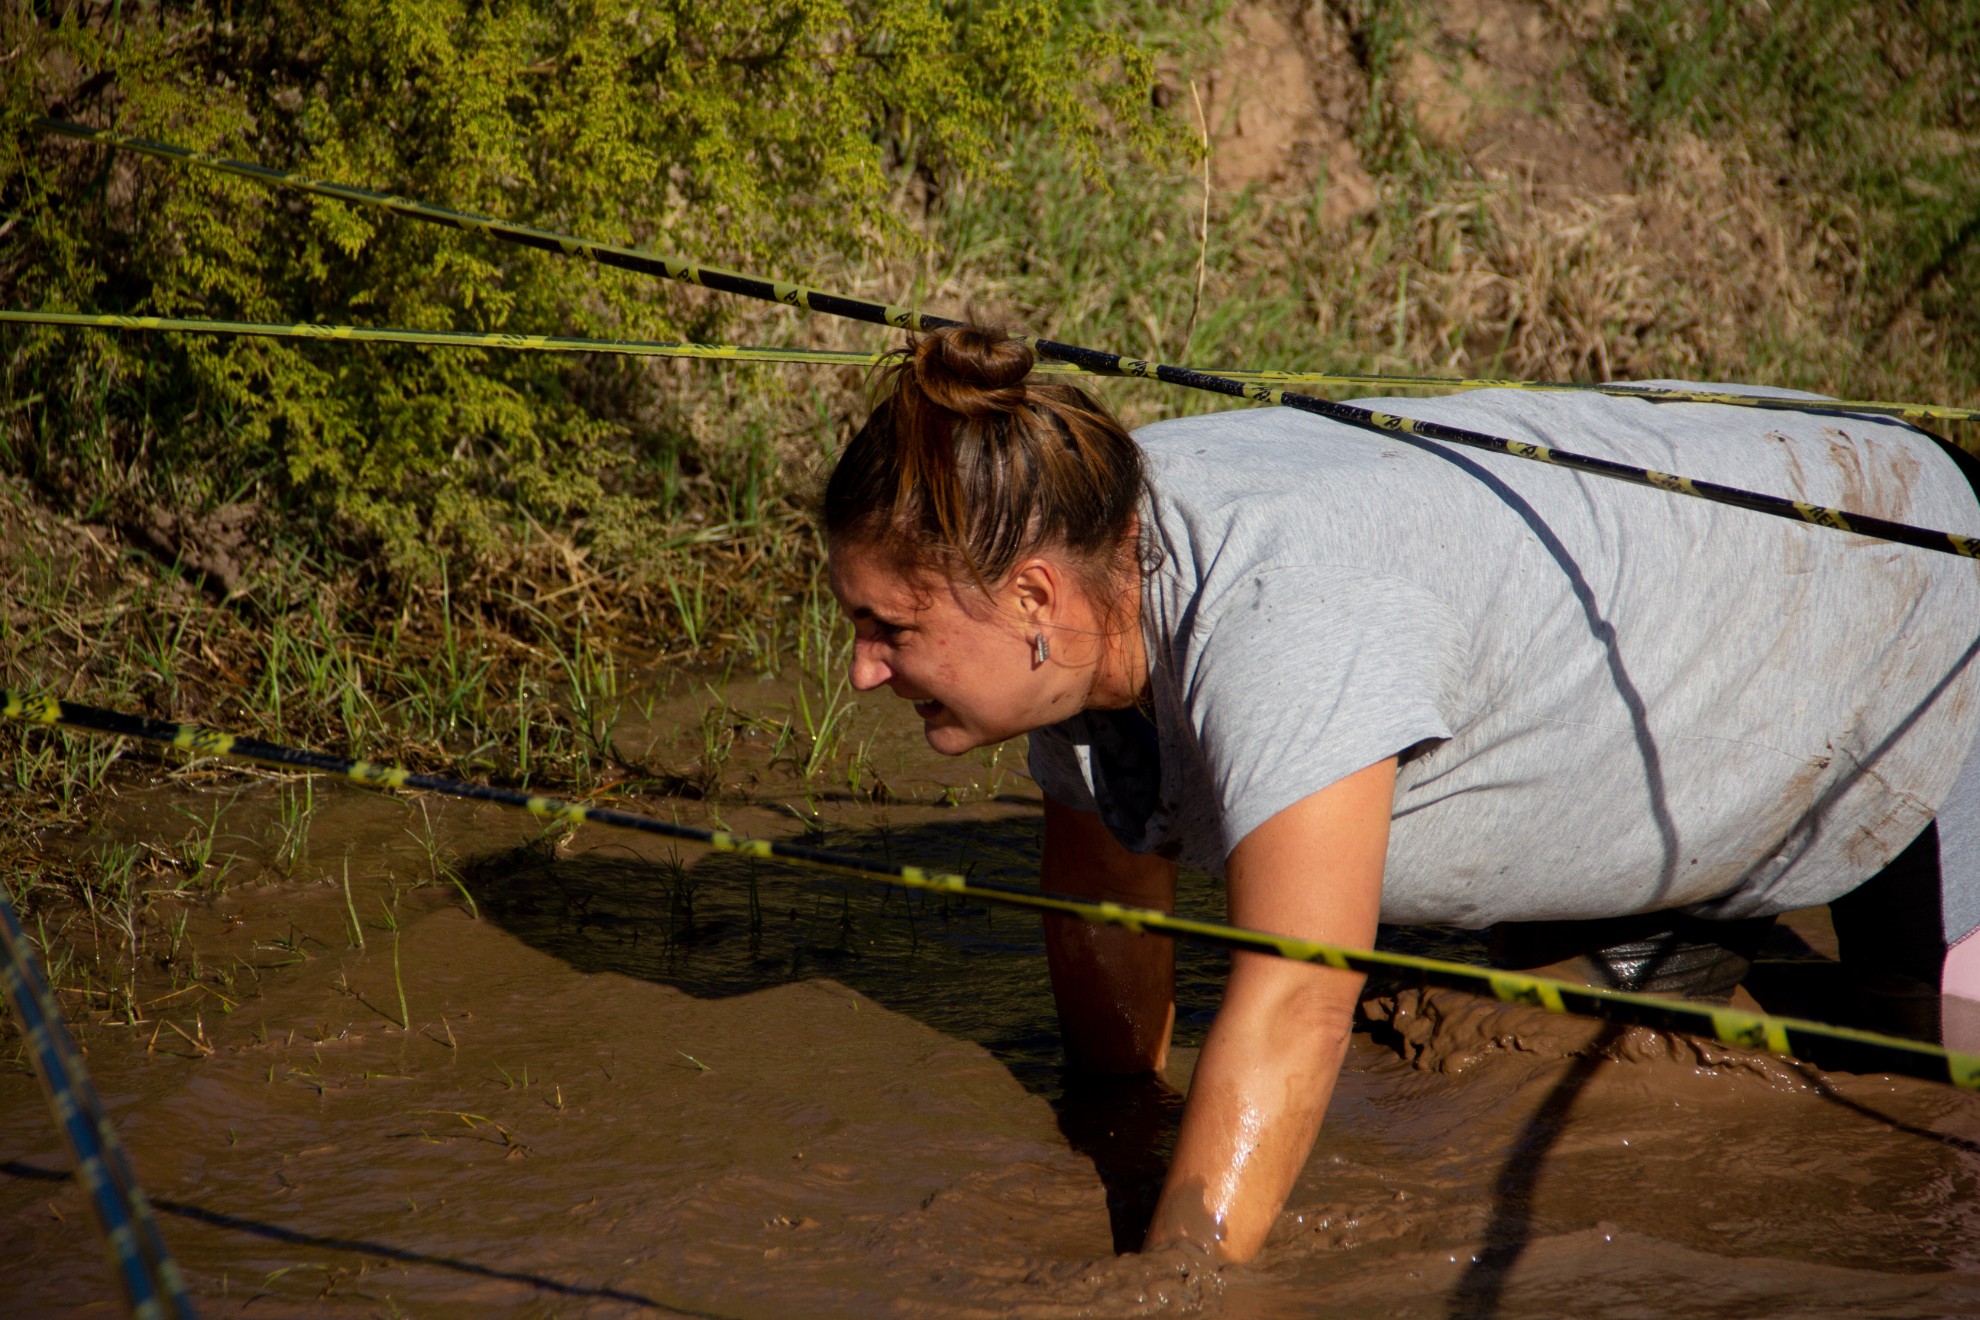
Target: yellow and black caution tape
[
  {"x": 1910, "y": 412},
  {"x": 528, "y": 343},
  {"x": 362, "y": 334},
  {"x": 1826, "y": 1046},
  {"x": 1095, "y": 360}
]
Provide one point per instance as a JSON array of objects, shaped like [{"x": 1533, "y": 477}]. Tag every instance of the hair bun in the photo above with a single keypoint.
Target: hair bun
[{"x": 972, "y": 370}]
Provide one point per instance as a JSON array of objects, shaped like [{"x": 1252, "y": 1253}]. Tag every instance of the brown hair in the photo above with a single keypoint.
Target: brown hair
[{"x": 965, "y": 465}]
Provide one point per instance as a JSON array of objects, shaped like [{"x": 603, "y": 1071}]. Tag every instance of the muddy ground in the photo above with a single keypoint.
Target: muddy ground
[{"x": 625, "y": 1079}]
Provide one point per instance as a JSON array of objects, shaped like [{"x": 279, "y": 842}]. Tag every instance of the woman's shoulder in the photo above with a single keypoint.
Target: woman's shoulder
[
  {"x": 1200, "y": 458},
  {"x": 1200, "y": 432}
]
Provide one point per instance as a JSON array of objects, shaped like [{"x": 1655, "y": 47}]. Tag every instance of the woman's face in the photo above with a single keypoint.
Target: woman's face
[{"x": 966, "y": 662}]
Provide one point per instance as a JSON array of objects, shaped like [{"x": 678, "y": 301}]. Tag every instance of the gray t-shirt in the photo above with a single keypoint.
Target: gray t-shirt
[{"x": 1608, "y": 698}]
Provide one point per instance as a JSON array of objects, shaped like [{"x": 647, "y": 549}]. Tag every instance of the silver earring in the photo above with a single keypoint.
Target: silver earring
[{"x": 1041, "y": 650}]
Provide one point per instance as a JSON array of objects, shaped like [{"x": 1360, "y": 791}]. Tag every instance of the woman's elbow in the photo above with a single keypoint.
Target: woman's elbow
[{"x": 1293, "y": 999}]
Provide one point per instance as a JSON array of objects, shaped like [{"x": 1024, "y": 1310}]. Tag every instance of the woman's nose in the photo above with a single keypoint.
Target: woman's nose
[{"x": 869, "y": 671}]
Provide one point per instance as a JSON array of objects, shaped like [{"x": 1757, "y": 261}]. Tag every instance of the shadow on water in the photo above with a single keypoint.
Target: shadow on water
[
  {"x": 725, "y": 925},
  {"x": 1479, "y": 1292},
  {"x": 372, "y": 1248}
]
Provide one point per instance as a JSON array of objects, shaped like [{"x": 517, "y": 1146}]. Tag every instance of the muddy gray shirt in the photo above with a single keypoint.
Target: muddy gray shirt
[{"x": 1608, "y": 698}]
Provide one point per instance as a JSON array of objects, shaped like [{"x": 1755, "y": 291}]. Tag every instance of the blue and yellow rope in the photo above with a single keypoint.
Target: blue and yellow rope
[{"x": 147, "y": 1277}]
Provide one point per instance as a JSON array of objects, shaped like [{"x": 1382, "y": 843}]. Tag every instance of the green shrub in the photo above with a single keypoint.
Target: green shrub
[{"x": 767, "y": 136}]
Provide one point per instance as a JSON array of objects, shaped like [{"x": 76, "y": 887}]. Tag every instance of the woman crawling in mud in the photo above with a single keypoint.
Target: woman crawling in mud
[{"x": 1370, "y": 677}]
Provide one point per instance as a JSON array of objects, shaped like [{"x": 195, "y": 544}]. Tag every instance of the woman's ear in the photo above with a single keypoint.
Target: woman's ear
[{"x": 1036, "y": 589}]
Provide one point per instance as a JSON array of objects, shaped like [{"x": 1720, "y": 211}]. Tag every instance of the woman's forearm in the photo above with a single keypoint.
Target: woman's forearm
[
  {"x": 1267, "y": 1069},
  {"x": 1260, "y": 1090},
  {"x": 1116, "y": 990},
  {"x": 1116, "y": 993}
]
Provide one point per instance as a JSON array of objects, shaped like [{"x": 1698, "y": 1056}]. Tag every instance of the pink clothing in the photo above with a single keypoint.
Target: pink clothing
[{"x": 1959, "y": 989}]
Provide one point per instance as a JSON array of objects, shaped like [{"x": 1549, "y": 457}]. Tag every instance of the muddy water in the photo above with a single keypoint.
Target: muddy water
[{"x": 643, "y": 1082}]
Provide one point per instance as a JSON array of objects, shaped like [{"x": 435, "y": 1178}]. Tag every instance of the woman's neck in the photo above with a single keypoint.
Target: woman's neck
[{"x": 1120, "y": 673}]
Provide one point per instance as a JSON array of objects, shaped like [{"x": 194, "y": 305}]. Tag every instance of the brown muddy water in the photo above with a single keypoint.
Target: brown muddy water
[{"x": 638, "y": 1081}]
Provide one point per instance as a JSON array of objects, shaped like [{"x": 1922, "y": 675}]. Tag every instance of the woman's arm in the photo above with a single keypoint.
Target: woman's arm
[
  {"x": 1116, "y": 990},
  {"x": 1268, "y": 1065}
]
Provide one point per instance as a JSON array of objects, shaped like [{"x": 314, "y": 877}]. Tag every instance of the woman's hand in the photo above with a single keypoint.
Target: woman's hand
[{"x": 1268, "y": 1065}]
